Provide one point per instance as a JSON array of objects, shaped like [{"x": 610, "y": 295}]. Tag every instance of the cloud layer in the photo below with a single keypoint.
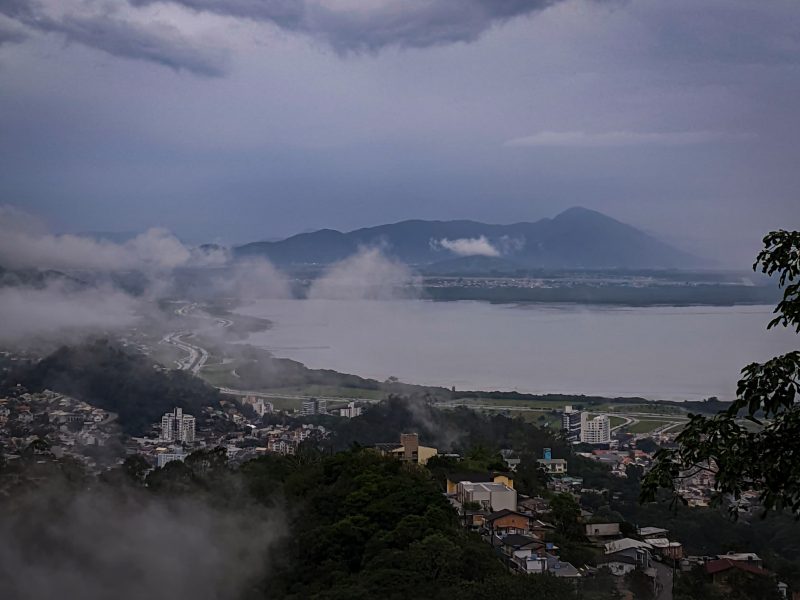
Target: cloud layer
[
  {"x": 99, "y": 545},
  {"x": 117, "y": 34},
  {"x": 367, "y": 275},
  {"x": 25, "y": 244},
  {"x": 479, "y": 246},
  {"x": 55, "y": 312},
  {"x": 355, "y": 25},
  {"x": 582, "y": 139}
]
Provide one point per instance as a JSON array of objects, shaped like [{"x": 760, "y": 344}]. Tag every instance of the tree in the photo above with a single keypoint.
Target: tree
[
  {"x": 755, "y": 443},
  {"x": 566, "y": 513}
]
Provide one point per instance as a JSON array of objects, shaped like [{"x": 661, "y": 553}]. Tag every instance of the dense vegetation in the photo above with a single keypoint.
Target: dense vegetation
[
  {"x": 110, "y": 378},
  {"x": 755, "y": 443},
  {"x": 354, "y": 526},
  {"x": 458, "y": 429}
]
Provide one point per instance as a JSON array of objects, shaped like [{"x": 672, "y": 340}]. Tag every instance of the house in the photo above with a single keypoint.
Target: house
[
  {"x": 453, "y": 479},
  {"x": 746, "y": 557},
  {"x": 602, "y": 531},
  {"x": 531, "y": 562},
  {"x": 625, "y": 555},
  {"x": 721, "y": 568},
  {"x": 516, "y": 542},
  {"x": 666, "y": 549},
  {"x": 533, "y": 505},
  {"x": 505, "y": 522},
  {"x": 553, "y": 466},
  {"x": 489, "y": 496},
  {"x": 652, "y": 532},
  {"x": 408, "y": 450},
  {"x": 559, "y": 568}
]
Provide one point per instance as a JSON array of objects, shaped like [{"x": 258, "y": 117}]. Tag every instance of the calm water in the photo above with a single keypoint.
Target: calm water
[{"x": 659, "y": 353}]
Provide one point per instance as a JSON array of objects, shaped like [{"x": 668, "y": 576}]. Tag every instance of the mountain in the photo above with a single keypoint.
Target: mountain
[{"x": 577, "y": 238}]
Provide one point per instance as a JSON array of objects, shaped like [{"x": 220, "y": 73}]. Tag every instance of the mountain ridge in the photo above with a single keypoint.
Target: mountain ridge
[{"x": 577, "y": 238}]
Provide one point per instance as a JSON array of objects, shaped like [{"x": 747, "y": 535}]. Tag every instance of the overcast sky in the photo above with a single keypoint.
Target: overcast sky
[{"x": 237, "y": 120}]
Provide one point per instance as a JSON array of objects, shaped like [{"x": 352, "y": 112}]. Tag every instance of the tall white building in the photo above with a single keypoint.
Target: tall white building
[
  {"x": 177, "y": 427},
  {"x": 259, "y": 405},
  {"x": 596, "y": 430},
  {"x": 351, "y": 411}
]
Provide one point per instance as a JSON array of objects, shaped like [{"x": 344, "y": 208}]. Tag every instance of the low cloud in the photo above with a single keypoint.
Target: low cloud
[
  {"x": 10, "y": 34},
  {"x": 25, "y": 244},
  {"x": 583, "y": 139},
  {"x": 479, "y": 246},
  {"x": 367, "y": 275},
  {"x": 55, "y": 312},
  {"x": 249, "y": 280},
  {"x": 98, "y": 545},
  {"x": 357, "y": 26}
]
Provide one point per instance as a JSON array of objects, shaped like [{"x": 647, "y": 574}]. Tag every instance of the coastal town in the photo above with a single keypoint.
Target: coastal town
[{"x": 520, "y": 529}]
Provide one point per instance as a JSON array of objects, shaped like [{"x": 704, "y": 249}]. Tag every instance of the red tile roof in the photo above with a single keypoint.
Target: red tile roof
[{"x": 723, "y": 564}]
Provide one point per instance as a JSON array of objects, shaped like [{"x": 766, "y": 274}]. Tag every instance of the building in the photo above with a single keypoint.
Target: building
[
  {"x": 314, "y": 407},
  {"x": 177, "y": 427},
  {"x": 666, "y": 549},
  {"x": 625, "y": 555},
  {"x": 599, "y": 531},
  {"x": 453, "y": 479},
  {"x": 506, "y": 522},
  {"x": 596, "y": 430},
  {"x": 553, "y": 466},
  {"x": 352, "y": 410},
  {"x": 260, "y": 406},
  {"x": 408, "y": 450},
  {"x": 166, "y": 457},
  {"x": 571, "y": 424},
  {"x": 489, "y": 496}
]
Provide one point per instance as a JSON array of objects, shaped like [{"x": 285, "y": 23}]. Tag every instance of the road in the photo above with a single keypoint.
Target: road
[
  {"x": 663, "y": 581},
  {"x": 197, "y": 356},
  {"x": 631, "y": 418}
]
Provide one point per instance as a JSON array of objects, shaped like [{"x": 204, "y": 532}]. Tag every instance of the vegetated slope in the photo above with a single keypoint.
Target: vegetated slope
[
  {"x": 110, "y": 378},
  {"x": 576, "y": 238}
]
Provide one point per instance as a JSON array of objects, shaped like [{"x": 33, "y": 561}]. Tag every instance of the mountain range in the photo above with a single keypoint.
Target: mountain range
[{"x": 577, "y": 238}]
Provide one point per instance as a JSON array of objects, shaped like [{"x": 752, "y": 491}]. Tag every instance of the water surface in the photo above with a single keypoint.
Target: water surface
[{"x": 655, "y": 352}]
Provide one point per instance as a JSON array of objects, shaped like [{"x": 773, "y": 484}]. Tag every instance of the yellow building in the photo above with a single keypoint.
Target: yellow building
[
  {"x": 409, "y": 449},
  {"x": 455, "y": 478}
]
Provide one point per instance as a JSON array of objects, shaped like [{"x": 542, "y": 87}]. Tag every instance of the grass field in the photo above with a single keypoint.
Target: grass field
[
  {"x": 645, "y": 426},
  {"x": 615, "y": 421}
]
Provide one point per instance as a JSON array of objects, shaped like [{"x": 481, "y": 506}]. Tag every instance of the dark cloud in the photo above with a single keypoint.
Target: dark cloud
[
  {"x": 355, "y": 26},
  {"x": 154, "y": 42},
  {"x": 10, "y": 34}
]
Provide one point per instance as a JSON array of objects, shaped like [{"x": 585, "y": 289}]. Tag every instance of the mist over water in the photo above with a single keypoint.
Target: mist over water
[{"x": 671, "y": 353}]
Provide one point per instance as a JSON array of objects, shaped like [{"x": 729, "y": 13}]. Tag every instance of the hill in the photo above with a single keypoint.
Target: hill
[
  {"x": 127, "y": 384},
  {"x": 577, "y": 238}
]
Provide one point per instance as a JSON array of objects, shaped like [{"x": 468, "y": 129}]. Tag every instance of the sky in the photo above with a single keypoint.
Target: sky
[{"x": 240, "y": 120}]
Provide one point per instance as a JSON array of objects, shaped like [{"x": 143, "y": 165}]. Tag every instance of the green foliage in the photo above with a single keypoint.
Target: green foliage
[
  {"x": 110, "y": 378},
  {"x": 640, "y": 585},
  {"x": 476, "y": 436},
  {"x": 565, "y": 514},
  {"x": 755, "y": 443},
  {"x": 736, "y": 585}
]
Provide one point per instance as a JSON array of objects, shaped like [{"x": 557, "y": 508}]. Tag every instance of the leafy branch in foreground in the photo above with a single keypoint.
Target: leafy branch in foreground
[{"x": 755, "y": 443}]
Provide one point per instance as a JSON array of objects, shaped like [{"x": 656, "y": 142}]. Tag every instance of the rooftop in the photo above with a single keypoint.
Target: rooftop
[
  {"x": 625, "y": 544},
  {"x": 724, "y": 564}
]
